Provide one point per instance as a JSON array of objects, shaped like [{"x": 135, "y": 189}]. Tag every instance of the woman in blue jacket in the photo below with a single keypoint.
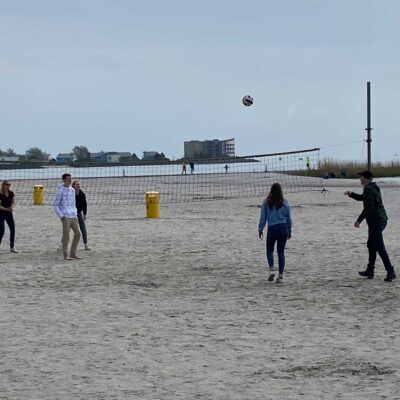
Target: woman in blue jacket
[{"x": 275, "y": 212}]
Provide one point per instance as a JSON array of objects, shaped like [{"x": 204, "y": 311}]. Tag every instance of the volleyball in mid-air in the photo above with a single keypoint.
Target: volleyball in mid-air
[{"x": 247, "y": 101}]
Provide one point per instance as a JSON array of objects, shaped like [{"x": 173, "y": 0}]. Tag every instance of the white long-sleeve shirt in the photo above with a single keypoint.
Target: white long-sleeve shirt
[{"x": 64, "y": 202}]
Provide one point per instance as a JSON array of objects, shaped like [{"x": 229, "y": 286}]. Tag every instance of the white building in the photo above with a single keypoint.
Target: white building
[
  {"x": 209, "y": 148},
  {"x": 9, "y": 158}
]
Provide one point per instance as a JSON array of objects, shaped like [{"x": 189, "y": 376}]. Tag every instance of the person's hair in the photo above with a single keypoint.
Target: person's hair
[
  {"x": 275, "y": 196},
  {"x": 2, "y": 186},
  {"x": 64, "y": 176}
]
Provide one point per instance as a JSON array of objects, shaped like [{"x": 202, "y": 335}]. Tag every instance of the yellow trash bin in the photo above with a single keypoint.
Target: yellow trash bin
[
  {"x": 153, "y": 205},
  {"x": 38, "y": 195}
]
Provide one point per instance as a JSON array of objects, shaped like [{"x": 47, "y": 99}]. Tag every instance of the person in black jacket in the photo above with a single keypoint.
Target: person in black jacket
[
  {"x": 81, "y": 206},
  {"x": 375, "y": 215},
  {"x": 7, "y": 202}
]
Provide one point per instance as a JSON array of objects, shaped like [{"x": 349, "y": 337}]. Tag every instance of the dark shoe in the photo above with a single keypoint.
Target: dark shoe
[
  {"x": 366, "y": 274},
  {"x": 390, "y": 278}
]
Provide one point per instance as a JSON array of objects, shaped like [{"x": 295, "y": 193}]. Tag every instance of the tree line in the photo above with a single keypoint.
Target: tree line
[
  {"x": 32, "y": 154},
  {"x": 78, "y": 153}
]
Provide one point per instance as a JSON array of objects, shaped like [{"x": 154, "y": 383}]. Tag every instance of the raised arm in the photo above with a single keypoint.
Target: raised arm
[{"x": 355, "y": 196}]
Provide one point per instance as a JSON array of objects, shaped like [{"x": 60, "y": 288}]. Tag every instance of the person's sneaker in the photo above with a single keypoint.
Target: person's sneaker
[
  {"x": 279, "y": 279},
  {"x": 87, "y": 247},
  {"x": 366, "y": 274},
  {"x": 390, "y": 278},
  {"x": 14, "y": 250},
  {"x": 271, "y": 276},
  {"x": 59, "y": 248}
]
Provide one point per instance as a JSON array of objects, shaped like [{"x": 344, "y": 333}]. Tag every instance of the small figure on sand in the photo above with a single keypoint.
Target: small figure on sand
[
  {"x": 184, "y": 168},
  {"x": 226, "y": 168}
]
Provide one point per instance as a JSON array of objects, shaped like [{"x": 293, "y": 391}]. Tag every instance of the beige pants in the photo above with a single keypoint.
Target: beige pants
[{"x": 67, "y": 225}]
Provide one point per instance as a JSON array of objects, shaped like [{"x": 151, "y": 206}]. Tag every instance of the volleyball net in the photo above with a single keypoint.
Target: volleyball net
[{"x": 176, "y": 181}]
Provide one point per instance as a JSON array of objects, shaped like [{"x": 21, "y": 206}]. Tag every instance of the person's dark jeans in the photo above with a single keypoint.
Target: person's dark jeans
[
  {"x": 277, "y": 234},
  {"x": 7, "y": 216},
  {"x": 82, "y": 226},
  {"x": 376, "y": 245}
]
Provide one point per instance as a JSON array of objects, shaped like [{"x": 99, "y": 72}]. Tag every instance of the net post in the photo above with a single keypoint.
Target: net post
[{"x": 369, "y": 129}]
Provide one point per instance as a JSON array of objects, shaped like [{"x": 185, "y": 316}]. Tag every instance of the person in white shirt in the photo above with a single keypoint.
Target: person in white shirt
[{"x": 65, "y": 208}]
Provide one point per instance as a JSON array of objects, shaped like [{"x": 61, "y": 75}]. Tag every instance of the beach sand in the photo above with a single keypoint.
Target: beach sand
[{"x": 180, "y": 307}]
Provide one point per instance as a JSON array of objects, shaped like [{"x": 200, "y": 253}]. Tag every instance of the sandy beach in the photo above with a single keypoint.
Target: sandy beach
[{"x": 180, "y": 307}]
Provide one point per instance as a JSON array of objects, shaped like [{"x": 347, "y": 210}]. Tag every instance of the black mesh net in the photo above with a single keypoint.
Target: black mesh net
[{"x": 212, "y": 179}]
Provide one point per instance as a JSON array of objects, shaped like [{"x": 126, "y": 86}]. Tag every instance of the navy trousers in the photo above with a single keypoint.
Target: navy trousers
[
  {"x": 376, "y": 246},
  {"x": 7, "y": 216},
  {"x": 277, "y": 234}
]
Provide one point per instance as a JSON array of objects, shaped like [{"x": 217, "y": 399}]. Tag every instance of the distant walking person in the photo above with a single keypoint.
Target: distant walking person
[
  {"x": 7, "y": 203},
  {"x": 275, "y": 212},
  {"x": 308, "y": 162},
  {"x": 65, "y": 208},
  {"x": 226, "y": 168},
  {"x": 81, "y": 207},
  {"x": 191, "y": 167},
  {"x": 184, "y": 168},
  {"x": 375, "y": 215}
]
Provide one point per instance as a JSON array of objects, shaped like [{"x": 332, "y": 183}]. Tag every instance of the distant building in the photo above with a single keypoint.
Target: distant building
[
  {"x": 209, "y": 148},
  {"x": 99, "y": 157},
  {"x": 149, "y": 155},
  {"x": 64, "y": 158},
  {"x": 9, "y": 158},
  {"x": 113, "y": 156},
  {"x": 125, "y": 156}
]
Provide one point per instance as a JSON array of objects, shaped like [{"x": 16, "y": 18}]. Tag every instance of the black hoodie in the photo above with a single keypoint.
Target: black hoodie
[
  {"x": 373, "y": 211},
  {"x": 81, "y": 204}
]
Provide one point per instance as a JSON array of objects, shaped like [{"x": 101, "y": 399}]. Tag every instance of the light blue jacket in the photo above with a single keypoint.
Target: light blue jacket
[
  {"x": 65, "y": 203},
  {"x": 275, "y": 216}
]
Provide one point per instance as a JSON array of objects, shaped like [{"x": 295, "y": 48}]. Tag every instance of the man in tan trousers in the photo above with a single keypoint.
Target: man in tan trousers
[{"x": 65, "y": 208}]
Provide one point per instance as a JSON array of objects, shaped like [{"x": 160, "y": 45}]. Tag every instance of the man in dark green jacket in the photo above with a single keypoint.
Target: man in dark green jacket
[{"x": 375, "y": 215}]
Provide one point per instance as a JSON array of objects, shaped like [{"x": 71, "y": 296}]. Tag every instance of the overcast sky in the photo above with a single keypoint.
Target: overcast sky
[{"x": 128, "y": 75}]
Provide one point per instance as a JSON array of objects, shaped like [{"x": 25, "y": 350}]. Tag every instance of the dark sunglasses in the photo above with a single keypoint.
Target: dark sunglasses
[{"x": 6, "y": 183}]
